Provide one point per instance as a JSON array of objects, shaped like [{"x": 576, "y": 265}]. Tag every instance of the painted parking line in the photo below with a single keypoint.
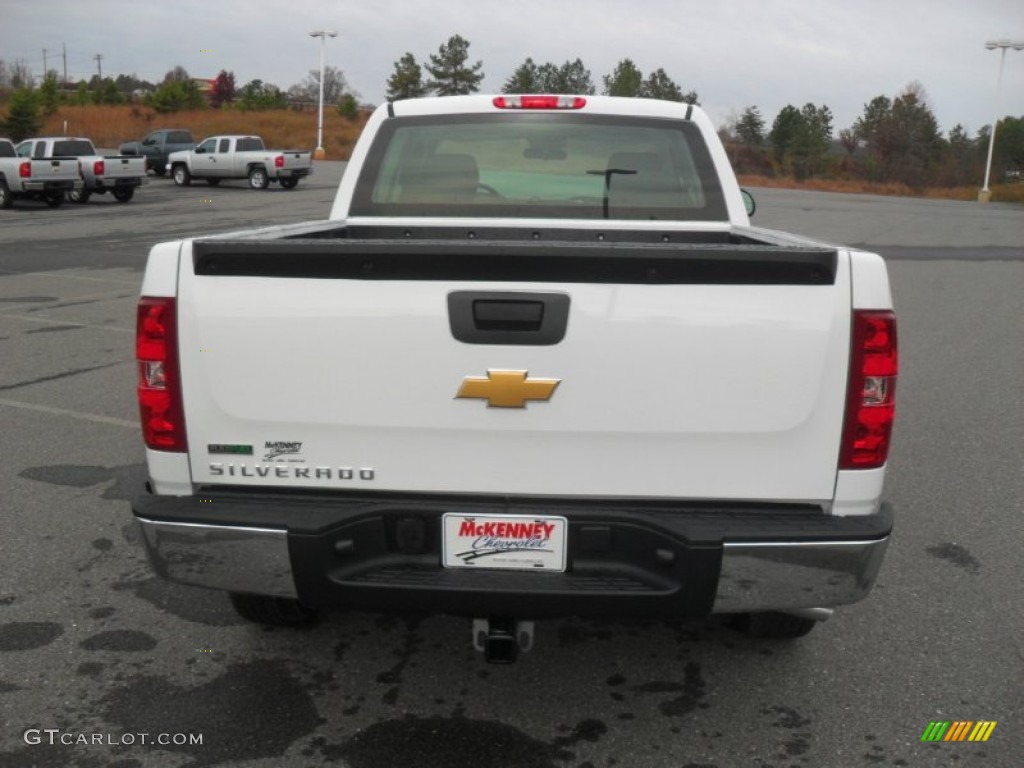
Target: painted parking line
[
  {"x": 49, "y": 409},
  {"x": 47, "y": 320}
]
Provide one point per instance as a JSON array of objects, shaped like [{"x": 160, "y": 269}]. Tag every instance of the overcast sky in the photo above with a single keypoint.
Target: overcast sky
[{"x": 734, "y": 53}]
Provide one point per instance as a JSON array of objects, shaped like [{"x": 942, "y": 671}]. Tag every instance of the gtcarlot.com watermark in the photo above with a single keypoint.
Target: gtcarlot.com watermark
[{"x": 69, "y": 738}]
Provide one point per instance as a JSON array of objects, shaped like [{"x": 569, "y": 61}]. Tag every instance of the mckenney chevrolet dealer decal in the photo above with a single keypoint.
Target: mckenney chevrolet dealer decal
[{"x": 504, "y": 541}]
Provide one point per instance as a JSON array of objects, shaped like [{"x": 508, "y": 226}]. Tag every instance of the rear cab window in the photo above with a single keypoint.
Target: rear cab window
[
  {"x": 540, "y": 166},
  {"x": 249, "y": 144},
  {"x": 72, "y": 148}
]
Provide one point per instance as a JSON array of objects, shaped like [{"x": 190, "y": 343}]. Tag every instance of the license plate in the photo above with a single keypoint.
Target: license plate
[{"x": 517, "y": 542}]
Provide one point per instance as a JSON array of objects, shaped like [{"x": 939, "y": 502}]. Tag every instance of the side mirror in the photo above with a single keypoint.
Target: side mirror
[
  {"x": 200, "y": 151},
  {"x": 748, "y": 202}
]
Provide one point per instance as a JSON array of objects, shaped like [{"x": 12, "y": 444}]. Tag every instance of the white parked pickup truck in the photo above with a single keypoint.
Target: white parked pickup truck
[
  {"x": 537, "y": 363},
  {"x": 118, "y": 174},
  {"x": 47, "y": 180},
  {"x": 239, "y": 157}
]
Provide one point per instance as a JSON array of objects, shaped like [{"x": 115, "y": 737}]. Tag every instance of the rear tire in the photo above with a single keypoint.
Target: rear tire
[
  {"x": 53, "y": 199},
  {"x": 79, "y": 195},
  {"x": 181, "y": 175},
  {"x": 258, "y": 177},
  {"x": 276, "y": 611},
  {"x": 123, "y": 194},
  {"x": 6, "y": 198},
  {"x": 289, "y": 183},
  {"x": 159, "y": 170},
  {"x": 771, "y": 625}
]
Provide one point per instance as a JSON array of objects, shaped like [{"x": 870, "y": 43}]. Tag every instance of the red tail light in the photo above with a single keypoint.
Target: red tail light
[
  {"x": 98, "y": 167},
  {"x": 871, "y": 392},
  {"x": 539, "y": 102},
  {"x": 159, "y": 386},
  {"x": 279, "y": 161},
  {"x": 25, "y": 170}
]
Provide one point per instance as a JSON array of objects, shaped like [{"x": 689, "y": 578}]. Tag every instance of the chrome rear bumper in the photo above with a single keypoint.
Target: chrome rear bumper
[
  {"x": 235, "y": 559},
  {"x": 796, "y": 575},
  {"x": 754, "y": 576}
]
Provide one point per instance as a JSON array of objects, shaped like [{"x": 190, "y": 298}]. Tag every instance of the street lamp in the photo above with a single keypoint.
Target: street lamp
[
  {"x": 322, "y": 34},
  {"x": 986, "y": 194}
]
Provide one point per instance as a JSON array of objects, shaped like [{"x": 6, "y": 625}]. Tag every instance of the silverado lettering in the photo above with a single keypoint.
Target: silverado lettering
[
  {"x": 219, "y": 469},
  {"x": 725, "y": 393}
]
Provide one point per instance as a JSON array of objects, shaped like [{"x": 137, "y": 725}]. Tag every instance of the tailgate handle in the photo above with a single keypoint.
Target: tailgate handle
[
  {"x": 503, "y": 315},
  {"x": 508, "y": 317}
]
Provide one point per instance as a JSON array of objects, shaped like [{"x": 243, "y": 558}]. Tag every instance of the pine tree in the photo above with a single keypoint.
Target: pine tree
[
  {"x": 625, "y": 80},
  {"x": 23, "y": 118},
  {"x": 659, "y": 85},
  {"x": 750, "y": 127},
  {"x": 524, "y": 79},
  {"x": 450, "y": 76},
  {"x": 49, "y": 94},
  {"x": 407, "y": 80}
]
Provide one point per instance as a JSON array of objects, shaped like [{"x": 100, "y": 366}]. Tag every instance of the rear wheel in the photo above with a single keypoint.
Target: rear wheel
[
  {"x": 54, "y": 199},
  {"x": 159, "y": 169},
  {"x": 258, "y": 177},
  {"x": 81, "y": 195},
  {"x": 778, "y": 626},
  {"x": 277, "y": 611},
  {"x": 289, "y": 183},
  {"x": 123, "y": 194},
  {"x": 6, "y": 199},
  {"x": 181, "y": 176}
]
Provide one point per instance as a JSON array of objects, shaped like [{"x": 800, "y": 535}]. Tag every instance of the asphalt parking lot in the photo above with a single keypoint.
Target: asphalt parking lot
[{"x": 92, "y": 644}]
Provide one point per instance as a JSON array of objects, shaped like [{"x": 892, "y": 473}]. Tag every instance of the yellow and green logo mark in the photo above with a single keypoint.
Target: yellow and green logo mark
[{"x": 958, "y": 730}]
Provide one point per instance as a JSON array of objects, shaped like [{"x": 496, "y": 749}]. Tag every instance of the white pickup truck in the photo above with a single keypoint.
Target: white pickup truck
[
  {"x": 46, "y": 180},
  {"x": 118, "y": 174},
  {"x": 239, "y": 157},
  {"x": 537, "y": 363}
]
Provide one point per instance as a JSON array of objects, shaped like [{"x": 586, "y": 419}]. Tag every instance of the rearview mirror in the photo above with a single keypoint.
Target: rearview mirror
[{"x": 748, "y": 202}]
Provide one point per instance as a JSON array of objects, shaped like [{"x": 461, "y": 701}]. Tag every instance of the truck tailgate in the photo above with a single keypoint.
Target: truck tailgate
[
  {"x": 296, "y": 159},
  {"x": 55, "y": 169},
  {"x": 123, "y": 167},
  {"x": 682, "y": 384}
]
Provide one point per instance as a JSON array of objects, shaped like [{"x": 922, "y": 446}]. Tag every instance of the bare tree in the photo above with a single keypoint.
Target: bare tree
[
  {"x": 177, "y": 75},
  {"x": 20, "y": 75},
  {"x": 335, "y": 86}
]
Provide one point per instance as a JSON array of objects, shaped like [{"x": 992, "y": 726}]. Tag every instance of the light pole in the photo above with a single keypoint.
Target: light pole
[
  {"x": 322, "y": 34},
  {"x": 985, "y": 195}
]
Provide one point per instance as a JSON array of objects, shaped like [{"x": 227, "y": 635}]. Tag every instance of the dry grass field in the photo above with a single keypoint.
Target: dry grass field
[{"x": 109, "y": 126}]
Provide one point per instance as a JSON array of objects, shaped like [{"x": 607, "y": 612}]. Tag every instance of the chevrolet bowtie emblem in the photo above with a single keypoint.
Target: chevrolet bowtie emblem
[{"x": 507, "y": 389}]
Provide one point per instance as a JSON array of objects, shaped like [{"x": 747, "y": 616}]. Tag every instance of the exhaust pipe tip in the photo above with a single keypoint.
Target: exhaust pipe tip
[{"x": 817, "y": 614}]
